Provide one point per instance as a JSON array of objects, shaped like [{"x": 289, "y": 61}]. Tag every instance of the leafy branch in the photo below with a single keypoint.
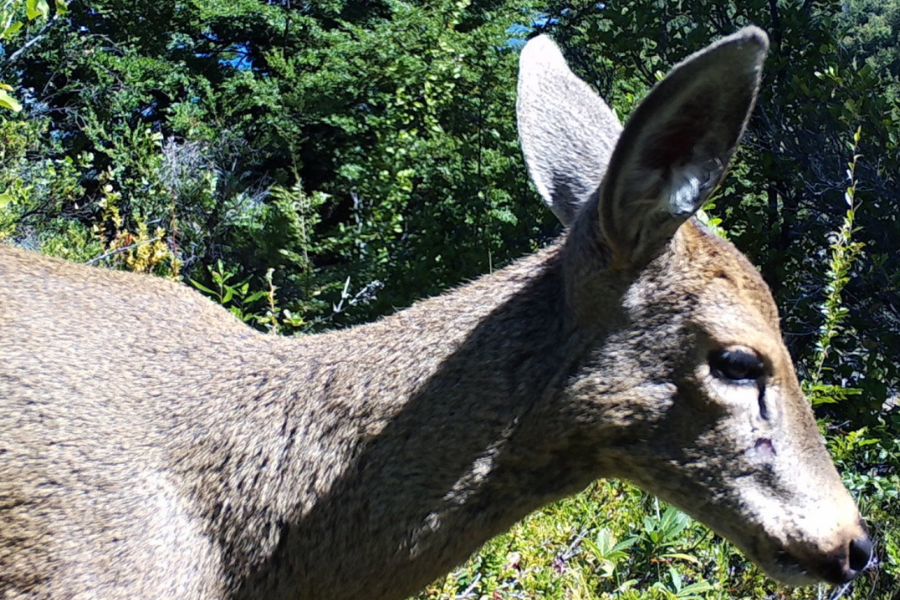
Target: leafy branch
[
  {"x": 844, "y": 253},
  {"x": 10, "y": 24}
]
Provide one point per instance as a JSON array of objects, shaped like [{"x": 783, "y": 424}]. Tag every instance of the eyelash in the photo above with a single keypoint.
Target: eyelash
[{"x": 737, "y": 366}]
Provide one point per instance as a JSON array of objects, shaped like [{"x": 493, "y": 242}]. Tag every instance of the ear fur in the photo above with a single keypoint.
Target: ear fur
[{"x": 567, "y": 131}]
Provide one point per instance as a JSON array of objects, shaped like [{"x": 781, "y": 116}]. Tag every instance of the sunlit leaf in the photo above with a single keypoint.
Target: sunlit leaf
[{"x": 7, "y": 101}]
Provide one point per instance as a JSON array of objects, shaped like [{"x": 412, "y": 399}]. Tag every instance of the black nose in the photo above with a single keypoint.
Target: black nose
[
  {"x": 860, "y": 553},
  {"x": 847, "y": 562}
]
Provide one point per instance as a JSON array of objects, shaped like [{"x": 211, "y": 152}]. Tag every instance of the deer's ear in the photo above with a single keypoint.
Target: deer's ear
[
  {"x": 567, "y": 131},
  {"x": 677, "y": 145}
]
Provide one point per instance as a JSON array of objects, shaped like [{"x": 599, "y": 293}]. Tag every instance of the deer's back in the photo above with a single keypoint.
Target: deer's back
[{"x": 99, "y": 371}]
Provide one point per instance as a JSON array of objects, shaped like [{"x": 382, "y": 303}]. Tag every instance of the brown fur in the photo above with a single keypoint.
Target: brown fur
[{"x": 151, "y": 446}]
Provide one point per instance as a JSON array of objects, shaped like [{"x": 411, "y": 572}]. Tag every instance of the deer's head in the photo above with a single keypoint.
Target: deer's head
[{"x": 684, "y": 380}]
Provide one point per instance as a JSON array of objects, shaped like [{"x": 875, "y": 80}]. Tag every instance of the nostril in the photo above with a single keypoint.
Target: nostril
[{"x": 860, "y": 554}]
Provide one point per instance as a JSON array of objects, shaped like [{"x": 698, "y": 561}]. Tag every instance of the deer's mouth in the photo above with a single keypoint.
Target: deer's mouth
[
  {"x": 790, "y": 570},
  {"x": 835, "y": 567}
]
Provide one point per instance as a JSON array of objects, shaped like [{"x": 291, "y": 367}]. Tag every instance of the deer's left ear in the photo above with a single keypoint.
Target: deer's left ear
[
  {"x": 676, "y": 146},
  {"x": 568, "y": 133}
]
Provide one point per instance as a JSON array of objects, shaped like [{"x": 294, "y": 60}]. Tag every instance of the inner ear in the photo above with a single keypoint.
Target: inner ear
[
  {"x": 677, "y": 145},
  {"x": 674, "y": 145}
]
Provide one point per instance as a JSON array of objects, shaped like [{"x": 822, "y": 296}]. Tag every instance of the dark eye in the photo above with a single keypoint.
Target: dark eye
[{"x": 736, "y": 365}]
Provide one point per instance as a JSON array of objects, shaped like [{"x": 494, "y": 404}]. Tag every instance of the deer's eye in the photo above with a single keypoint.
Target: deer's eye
[{"x": 738, "y": 366}]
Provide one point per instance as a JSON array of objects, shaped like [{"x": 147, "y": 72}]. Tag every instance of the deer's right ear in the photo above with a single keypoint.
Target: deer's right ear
[
  {"x": 567, "y": 131},
  {"x": 677, "y": 145}
]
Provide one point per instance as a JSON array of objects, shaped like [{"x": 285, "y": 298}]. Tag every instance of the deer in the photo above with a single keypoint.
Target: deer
[{"x": 154, "y": 447}]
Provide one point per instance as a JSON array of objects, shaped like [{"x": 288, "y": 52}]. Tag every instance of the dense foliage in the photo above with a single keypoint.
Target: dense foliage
[
  {"x": 326, "y": 142},
  {"x": 317, "y": 164}
]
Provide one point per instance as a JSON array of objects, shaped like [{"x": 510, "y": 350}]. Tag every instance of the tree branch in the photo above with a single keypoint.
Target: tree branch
[{"x": 27, "y": 45}]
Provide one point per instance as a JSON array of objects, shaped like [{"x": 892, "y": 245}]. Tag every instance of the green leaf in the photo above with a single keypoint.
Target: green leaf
[
  {"x": 203, "y": 288},
  {"x": 626, "y": 543},
  {"x": 36, "y": 8},
  {"x": 255, "y": 296},
  {"x": 695, "y": 588},
  {"x": 7, "y": 101},
  {"x": 682, "y": 556},
  {"x": 11, "y": 30},
  {"x": 605, "y": 542},
  {"x": 676, "y": 578}
]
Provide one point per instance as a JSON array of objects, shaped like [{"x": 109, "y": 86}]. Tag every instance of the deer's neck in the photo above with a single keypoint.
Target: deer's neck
[{"x": 407, "y": 443}]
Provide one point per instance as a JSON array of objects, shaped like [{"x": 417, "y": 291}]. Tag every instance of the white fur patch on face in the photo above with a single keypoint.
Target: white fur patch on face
[{"x": 742, "y": 397}]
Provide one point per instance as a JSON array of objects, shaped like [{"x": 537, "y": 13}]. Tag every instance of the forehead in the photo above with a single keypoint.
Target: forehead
[
  {"x": 705, "y": 279},
  {"x": 727, "y": 279}
]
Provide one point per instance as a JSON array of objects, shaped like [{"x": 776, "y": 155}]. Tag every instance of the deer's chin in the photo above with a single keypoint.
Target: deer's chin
[
  {"x": 785, "y": 568},
  {"x": 809, "y": 568},
  {"x": 767, "y": 551}
]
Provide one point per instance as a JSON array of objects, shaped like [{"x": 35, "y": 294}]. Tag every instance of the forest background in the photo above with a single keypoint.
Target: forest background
[{"x": 313, "y": 165}]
